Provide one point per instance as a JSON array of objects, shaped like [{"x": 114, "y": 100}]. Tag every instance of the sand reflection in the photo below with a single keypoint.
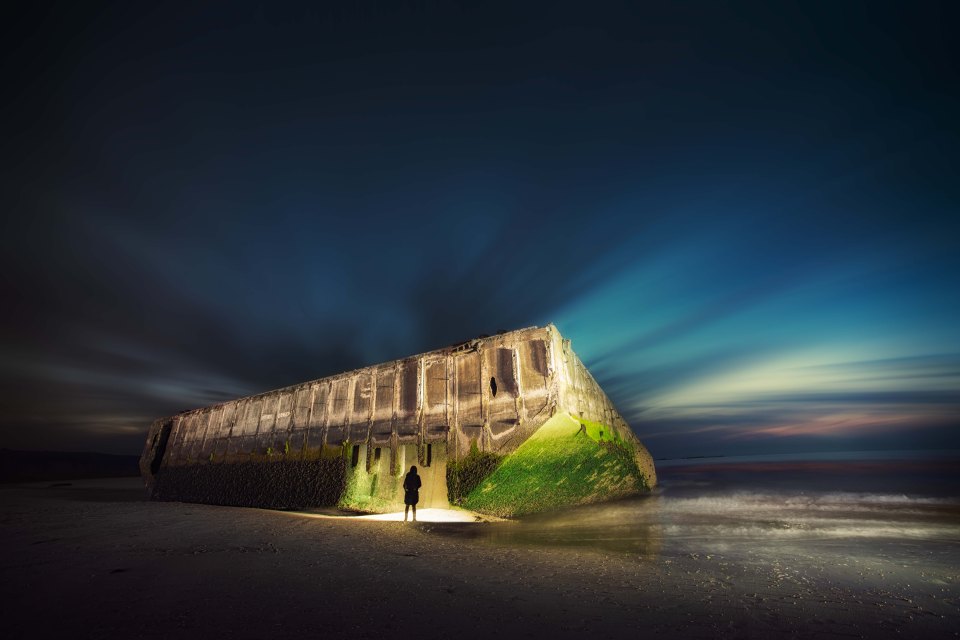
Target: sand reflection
[{"x": 762, "y": 514}]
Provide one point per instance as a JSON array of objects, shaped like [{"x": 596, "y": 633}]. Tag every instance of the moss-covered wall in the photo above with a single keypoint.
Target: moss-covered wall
[
  {"x": 372, "y": 485},
  {"x": 581, "y": 396},
  {"x": 466, "y": 474},
  {"x": 563, "y": 464}
]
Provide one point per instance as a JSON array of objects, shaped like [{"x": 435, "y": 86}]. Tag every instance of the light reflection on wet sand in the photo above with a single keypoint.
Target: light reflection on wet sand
[
  {"x": 711, "y": 554},
  {"x": 767, "y": 511}
]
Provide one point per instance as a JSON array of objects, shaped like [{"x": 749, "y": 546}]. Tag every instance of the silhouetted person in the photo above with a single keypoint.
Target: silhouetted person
[{"x": 411, "y": 493}]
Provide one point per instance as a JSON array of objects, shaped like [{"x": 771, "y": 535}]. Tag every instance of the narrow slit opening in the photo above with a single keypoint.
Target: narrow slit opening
[{"x": 355, "y": 456}]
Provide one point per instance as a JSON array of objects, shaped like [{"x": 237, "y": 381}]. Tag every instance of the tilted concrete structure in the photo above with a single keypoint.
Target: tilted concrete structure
[{"x": 348, "y": 439}]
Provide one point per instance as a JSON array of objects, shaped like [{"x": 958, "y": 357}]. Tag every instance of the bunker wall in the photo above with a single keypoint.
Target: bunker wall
[
  {"x": 489, "y": 393},
  {"x": 377, "y": 483},
  {"x": 583, "y": 398},
  {"x": 357, "y": 433}
]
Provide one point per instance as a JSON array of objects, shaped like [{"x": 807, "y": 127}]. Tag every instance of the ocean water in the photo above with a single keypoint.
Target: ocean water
[{"x": 899, "y": 506}]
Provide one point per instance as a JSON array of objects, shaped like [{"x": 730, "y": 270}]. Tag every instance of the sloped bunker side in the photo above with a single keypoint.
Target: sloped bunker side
[{"x": 560, "y": 465}]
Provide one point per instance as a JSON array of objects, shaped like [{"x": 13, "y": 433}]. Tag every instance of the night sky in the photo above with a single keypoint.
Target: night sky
[{"x": 744, "y": 215}]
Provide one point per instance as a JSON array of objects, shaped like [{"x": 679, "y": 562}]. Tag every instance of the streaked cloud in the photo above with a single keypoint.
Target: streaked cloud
[{"x": 751, "y": 242}]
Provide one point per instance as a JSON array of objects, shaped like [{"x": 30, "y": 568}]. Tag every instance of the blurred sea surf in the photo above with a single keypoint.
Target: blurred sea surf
[{"x": 902, "y": 504}]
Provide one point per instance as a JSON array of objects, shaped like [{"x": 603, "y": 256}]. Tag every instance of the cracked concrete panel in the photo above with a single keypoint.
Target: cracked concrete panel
[
  {"x": 220, "y": 450},
  {"x": 212, "y": 433},
  {"x": 360, "y": 409},
  {"x": 234, "y": 446},
  {"x": 408, "y": 391},
  {"x": 250, "y": 418},
  {"x": 236, "y": 421},
  {"x": 436, "y": 410},
  {"x": 337, "y": 405},
  {"x": 302, "y": 402},
  {"x": 469, "y": 392},
  {"x": 189, "y": 439},
  {"x": 436, "y": 382},
  {"x": 264, "y": 444},
  {"x": 381, "y": 429},
  {"x": 502, "y": 415},
  {"x": 223, "y": 433},
  {"x": 500, "y": 365},
  {"x": 298, "y": 440},
  {"x": 191, "y": 426},
  {"x": 533, "y": 365},
  {"x": 231, "y": 416},
  {"x": 533, "y": 378},
  {"x": 239, "y": 442},
  {"x": 246, "y": 445},
  {"x": 284, "y": 410},
  {"x": 268, "y": 414},
  {"x": 200, "y": 428},
  {"x": 173, "y": 453},
  {"x": 362, "y": 398},
  {"x": 315, "y": 439},
  {"x": 321, "y": 394},
  {"x": 340, "y": 395},
  {"x": 336, "y": 434}
]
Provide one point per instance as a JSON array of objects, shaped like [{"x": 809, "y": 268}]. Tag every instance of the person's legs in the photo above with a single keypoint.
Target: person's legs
[
  {"x": 406, "y": 509},
  {"x": 414, "y": 512}
]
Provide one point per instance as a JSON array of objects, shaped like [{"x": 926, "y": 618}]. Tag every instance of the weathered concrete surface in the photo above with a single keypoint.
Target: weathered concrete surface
[
  {"x": 357, "y": 433},
  {"x": 291, "y": 485}
]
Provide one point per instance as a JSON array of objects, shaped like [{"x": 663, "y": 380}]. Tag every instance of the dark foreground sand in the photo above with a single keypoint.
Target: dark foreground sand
[{"x": 93, "y": 560}]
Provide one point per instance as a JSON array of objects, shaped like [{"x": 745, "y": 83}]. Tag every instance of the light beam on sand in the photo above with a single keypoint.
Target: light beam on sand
[
  {"x": 423, "y": 515},
  {"x": 426, "y": 515}
]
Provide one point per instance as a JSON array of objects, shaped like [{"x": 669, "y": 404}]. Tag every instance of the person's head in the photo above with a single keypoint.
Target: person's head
[{"x": 413, "y": 470}]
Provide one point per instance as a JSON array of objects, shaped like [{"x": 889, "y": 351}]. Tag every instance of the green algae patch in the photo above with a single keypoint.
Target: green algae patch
[
  {"x": 466, "y": 474},
  {"x": 356, "y": 493},
  {"x": 600, "y": 432},
  {"x": 367, "y": 491},
  {"x": 560, "y": 465}
]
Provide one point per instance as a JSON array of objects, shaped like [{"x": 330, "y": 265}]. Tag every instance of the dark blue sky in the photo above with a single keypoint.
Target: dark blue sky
[{"x": 744, "y": 215}]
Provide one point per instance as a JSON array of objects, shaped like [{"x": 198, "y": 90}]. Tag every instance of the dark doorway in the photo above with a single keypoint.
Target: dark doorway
[{"x": 355, "y": 456}]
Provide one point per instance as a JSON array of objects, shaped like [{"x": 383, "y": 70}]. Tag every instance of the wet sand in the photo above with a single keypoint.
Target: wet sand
[{"x": 94, "y": 560}]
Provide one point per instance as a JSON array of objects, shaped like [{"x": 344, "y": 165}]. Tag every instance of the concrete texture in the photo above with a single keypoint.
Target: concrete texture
[{"x": 349, "y": 439}]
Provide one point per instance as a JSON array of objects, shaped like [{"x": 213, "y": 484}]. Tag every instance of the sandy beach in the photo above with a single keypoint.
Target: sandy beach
[{"x": 93, "y": 559}]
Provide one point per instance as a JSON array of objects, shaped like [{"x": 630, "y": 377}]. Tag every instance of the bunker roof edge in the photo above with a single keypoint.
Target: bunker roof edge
[{"x": 471, "y": 345}]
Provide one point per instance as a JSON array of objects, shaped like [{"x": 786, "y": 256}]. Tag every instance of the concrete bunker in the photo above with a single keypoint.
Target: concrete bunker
[{"x": 457, "y": 413}]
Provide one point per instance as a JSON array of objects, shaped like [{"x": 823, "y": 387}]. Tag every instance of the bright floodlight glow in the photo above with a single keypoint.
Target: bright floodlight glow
[{"x": 423, "y": 515}]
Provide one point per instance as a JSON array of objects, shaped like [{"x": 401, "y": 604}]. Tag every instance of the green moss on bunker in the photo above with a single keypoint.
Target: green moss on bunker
[
  {"x": 560, "y": 465},
  {"x": 360, "y": 489},
  {"x": 600, "y": 432},
  {"x": 464, "y": 475}
]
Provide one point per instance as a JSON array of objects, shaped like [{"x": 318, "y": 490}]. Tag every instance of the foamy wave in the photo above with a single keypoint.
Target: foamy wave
[
  {"x": 828, "y": 501},
  {"x": 800, "y": 530}
]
